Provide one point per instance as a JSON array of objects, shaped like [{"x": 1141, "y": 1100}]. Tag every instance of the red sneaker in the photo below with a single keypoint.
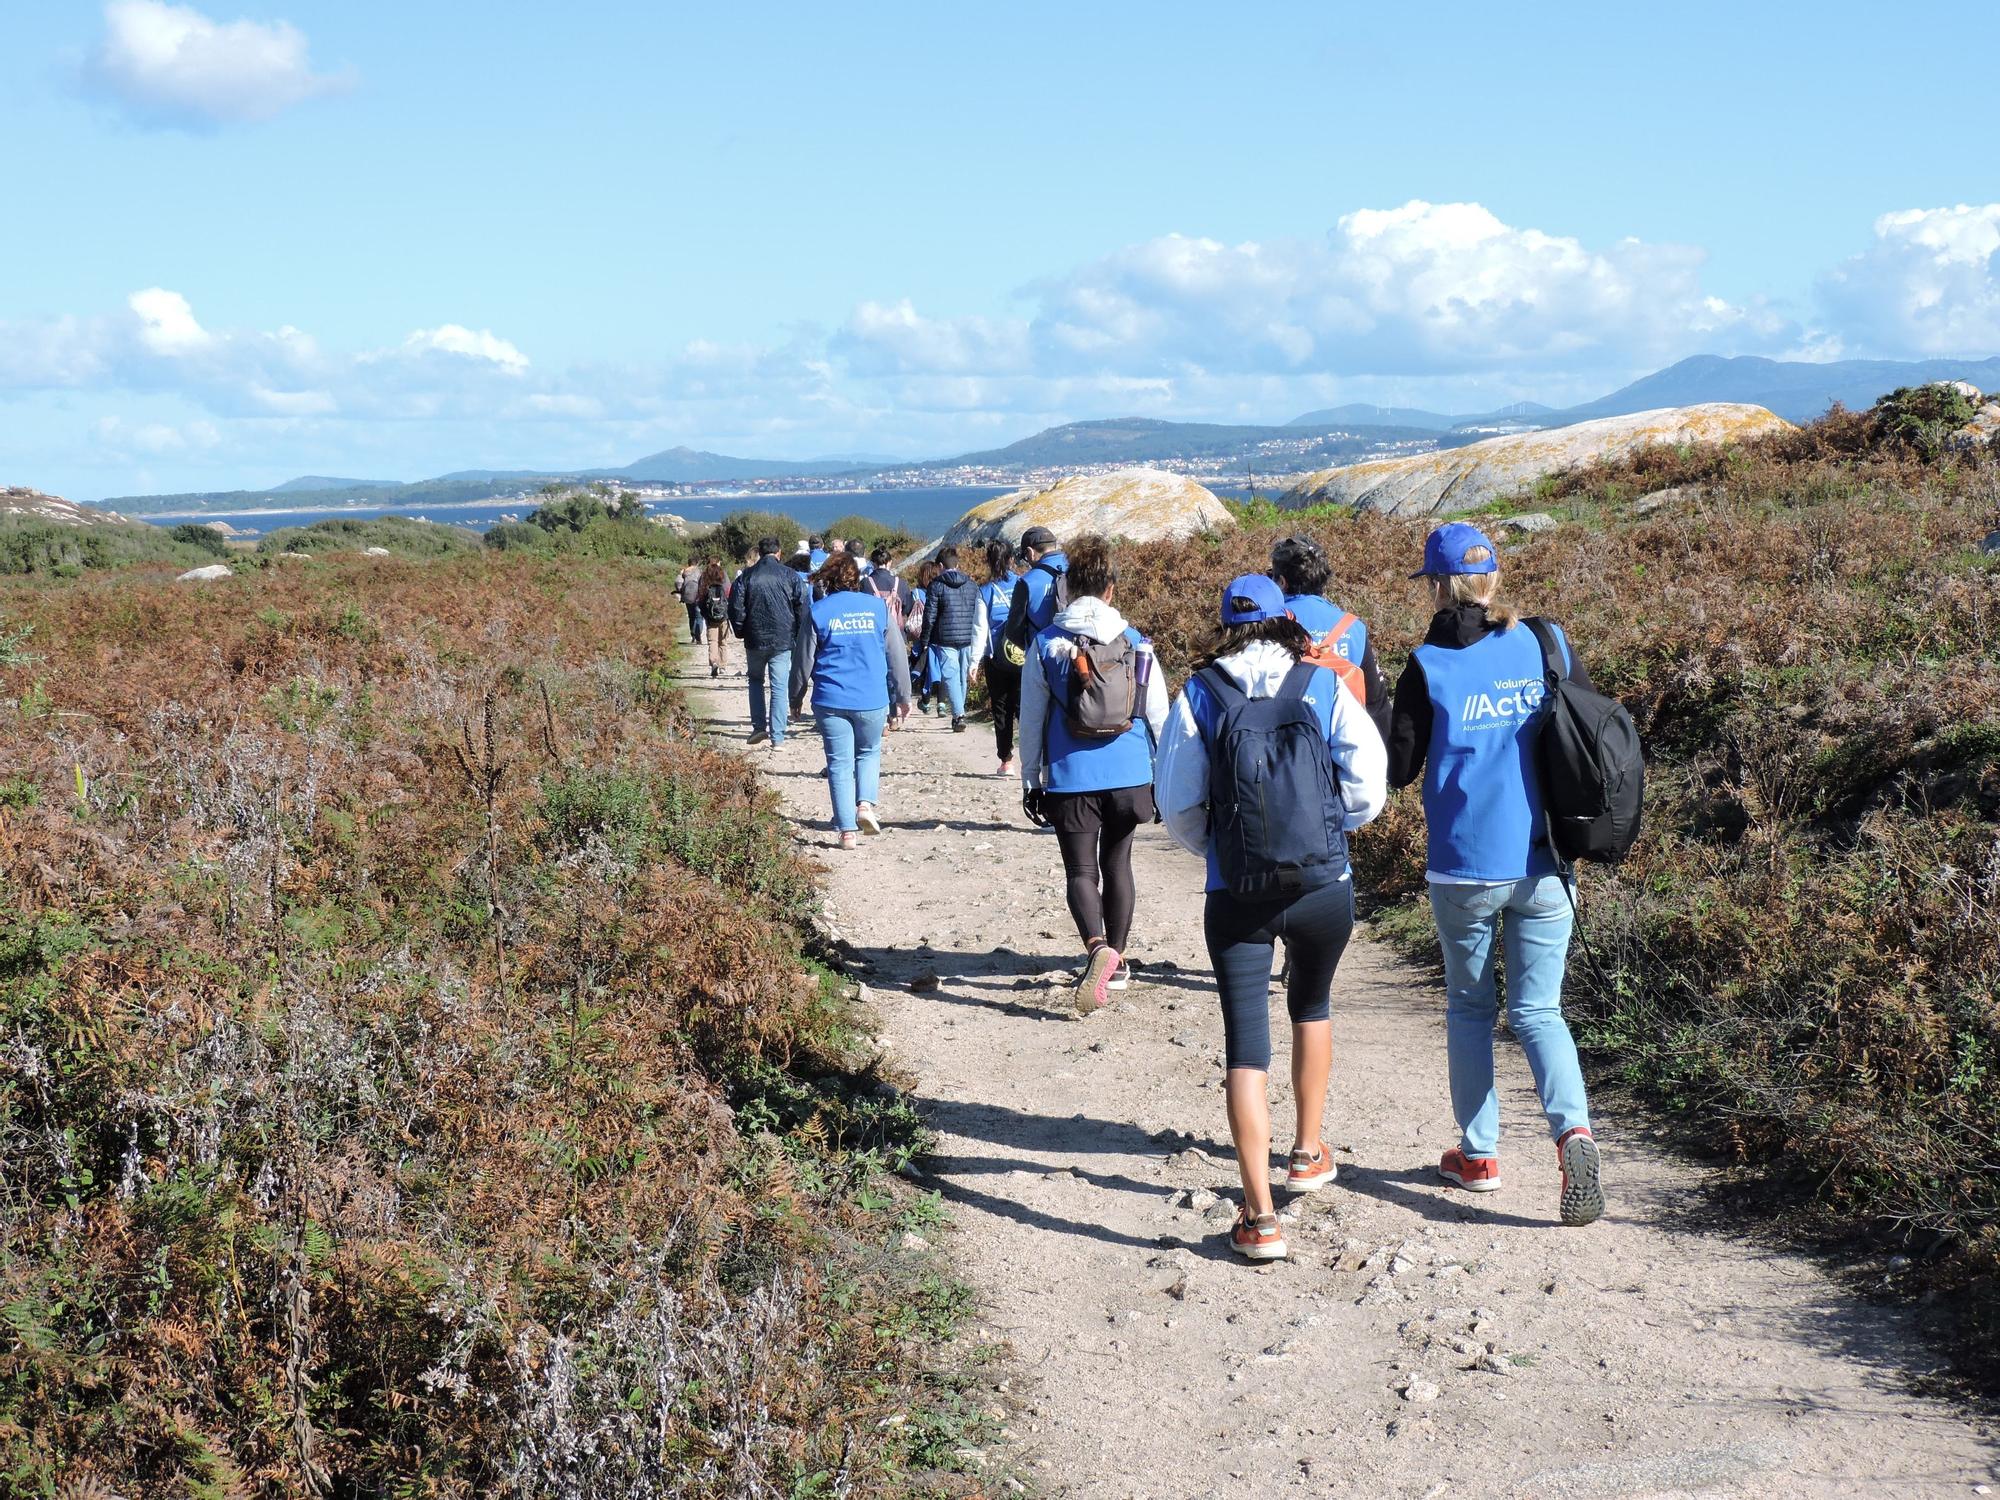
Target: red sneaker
[
  {"x": 1309, "y": 1171},
  {"x": 1476, "y": 1174},
  {"x": 1258, "y": 1238},
  {"x": 1582, "y": 1200}
]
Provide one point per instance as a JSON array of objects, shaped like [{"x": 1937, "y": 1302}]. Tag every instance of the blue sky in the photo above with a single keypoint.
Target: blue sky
[{"x": 248, "y": 240}]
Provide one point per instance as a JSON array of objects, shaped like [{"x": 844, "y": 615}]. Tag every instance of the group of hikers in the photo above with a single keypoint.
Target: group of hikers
[{"x": 1284, "y": 739}]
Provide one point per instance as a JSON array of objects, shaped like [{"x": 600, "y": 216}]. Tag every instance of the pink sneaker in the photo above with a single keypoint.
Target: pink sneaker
[{"x": 1093, "y": 990}]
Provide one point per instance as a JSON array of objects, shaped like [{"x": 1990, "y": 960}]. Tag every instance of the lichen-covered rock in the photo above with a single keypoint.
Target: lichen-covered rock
[
  {"x": 210, "y": 574},
  {"x": 18, "y": 500},
  {"x": 1140, "y": 505},
  {"x": 1456, "y": 479},
  {"x": 1984, "y": 428}
]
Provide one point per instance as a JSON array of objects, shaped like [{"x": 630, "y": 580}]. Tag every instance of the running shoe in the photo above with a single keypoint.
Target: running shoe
[
  {"x": 1122, "y": 980},
  {"x": 1093, "y": 987},
  {"x": 1006, "y": 768},
  {"x": 1257, "y": 1239},
  {"x": 958, "y": 726},
  {"x": 866, "y": 816},
  {"x": 1476, "y": 1174},
  {"x": 847, "y": 838},
  {"x": 759, "y": 737},
  {"x": 1582, "y": 1200},
  {"x": 1309, "y": 1171}
]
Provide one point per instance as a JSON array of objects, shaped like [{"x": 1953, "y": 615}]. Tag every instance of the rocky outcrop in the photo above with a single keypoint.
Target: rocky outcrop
[
  {"x": 1458, "y": 479},
  {"x": 1140, "y": 505},
  {"x": 1983, "y": 429},
  {"x": 210, "y": 574},
  {"x": 16, "y": 500}
]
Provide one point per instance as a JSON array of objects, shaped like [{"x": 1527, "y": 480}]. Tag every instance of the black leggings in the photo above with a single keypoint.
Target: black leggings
[
  {"x": 1095, "y": 831},
  {"x": 1003, "y": 690},
  {"x": 1241, "y": 936}
]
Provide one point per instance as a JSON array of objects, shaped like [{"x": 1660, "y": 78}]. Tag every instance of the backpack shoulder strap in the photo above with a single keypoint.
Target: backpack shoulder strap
[
  {"x": 1554, "y": 663},
  {"x": 1220, "y": 684},
  {"x": 1045, "y": 568},
  {"x": 1296, "y": 681},
  {"x": 1341, "y": 626}
]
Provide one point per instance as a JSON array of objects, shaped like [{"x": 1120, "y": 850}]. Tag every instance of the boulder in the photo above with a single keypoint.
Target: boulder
[
  {"x": 221, "y": 528},
  {"x": 1140, "y": 505},
  {"x": 1680, "y": 494},
  {"x": 1984, "y": 428},
  {"x": 208, "y": 574},
  {"x": 1455, "y": 479},
  {"x": 1534, "y": 521},
  {"x": 376, "y": 552}
]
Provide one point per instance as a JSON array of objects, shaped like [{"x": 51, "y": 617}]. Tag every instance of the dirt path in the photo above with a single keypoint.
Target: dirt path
[{"x": 1640, "y": 1357}]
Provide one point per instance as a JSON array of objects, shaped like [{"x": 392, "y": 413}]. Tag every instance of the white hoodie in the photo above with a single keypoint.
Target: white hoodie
[
  {"x": 1088, "y": 616},
  {"x": 1180, "y": 774}
]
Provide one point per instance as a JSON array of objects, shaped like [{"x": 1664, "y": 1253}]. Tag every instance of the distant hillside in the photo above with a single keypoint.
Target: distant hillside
[
  {"x": 1131, "y": 440},
  {"x": 325, "y": 482},
  {"x": 692, "y": 466},
  {"x": 1795, "y": 389},
  {"x": 359, "y": 493},
  {"x": 1359, "y": 414}
]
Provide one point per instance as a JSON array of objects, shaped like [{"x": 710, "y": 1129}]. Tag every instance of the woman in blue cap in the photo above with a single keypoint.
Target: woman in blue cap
[
  {"x": 1464, "y": 720},
  {"x": 1266, "y": 765}
]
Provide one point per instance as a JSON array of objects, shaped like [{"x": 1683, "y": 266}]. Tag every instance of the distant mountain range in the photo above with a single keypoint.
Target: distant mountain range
[{"x": 1794, "y": 389}]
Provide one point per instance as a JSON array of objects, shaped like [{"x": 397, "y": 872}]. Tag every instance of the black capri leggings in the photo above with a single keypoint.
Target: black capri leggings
[
  {"x": 1241, "y": 937},
  {"x": 1095, "y": 832}
]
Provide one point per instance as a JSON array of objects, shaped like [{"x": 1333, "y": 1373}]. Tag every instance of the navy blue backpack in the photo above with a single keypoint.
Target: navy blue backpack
[{"x": 1274, "y": 804}]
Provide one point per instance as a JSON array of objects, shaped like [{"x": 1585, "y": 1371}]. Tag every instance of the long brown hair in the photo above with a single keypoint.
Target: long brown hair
[
  {"x": 840, "y": 574},
  {"x": 711, "y": 576},
  {"x": 1283, "y": 631}
]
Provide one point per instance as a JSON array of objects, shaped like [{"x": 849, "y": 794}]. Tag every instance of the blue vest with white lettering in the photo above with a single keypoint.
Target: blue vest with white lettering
[
  {"x": 1319, "y": 615},
  {"x": 850, "y": 664},
  {"x": 1076, "y": 765},
  {"x": 1208, "y": 716},
  {"x": 1482, "y": 805},
  {"x": 999, "y": 599}
]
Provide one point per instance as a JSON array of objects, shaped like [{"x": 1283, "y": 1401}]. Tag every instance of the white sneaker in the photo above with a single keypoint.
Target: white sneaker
[{"x": 865, "y": 816}]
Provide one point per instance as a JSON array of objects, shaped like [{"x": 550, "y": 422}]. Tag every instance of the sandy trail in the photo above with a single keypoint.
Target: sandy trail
[{"x": 1644, "y": 1356}]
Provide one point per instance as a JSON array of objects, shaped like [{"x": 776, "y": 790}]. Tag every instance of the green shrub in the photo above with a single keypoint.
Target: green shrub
[
  {"x": 739, "y": 532},
  {"x": 29, "y": 544},
  {"x": 207, "y": 538},
  {"x": 403, "y": 535},
  {"x": 514, "y": 536}
]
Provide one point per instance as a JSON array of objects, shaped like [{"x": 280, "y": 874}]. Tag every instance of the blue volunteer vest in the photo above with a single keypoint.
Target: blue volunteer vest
[
  {"x": 1482, "y": 806},
  {"x": 1076, "y": 765},
  {"x": 1208, "y": 713},
  {"x": 1319, "y": 615},
  {"x": 999, "y": 599},
  {"x": 850, "y": 667}
]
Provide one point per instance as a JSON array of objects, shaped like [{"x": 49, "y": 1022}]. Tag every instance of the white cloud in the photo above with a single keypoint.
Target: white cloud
[
  {"x": 450, "y": 338},
  {"x": 1930, "y": 284},
  {"x": 172, "y": 65},
  {"x": 166, "y": 322}
]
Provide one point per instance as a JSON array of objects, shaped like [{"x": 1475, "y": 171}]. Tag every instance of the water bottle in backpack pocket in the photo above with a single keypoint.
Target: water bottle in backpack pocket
[
  {"x": 1101, "y": 698},
  {"x": 1275, "y": 810}
]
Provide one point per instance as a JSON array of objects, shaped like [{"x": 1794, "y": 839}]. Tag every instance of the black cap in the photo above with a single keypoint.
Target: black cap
[{"x": 1038, "y": 537}]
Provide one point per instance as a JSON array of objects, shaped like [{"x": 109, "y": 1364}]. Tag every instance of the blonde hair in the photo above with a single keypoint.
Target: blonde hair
[{"x": 1478, "y": 588}]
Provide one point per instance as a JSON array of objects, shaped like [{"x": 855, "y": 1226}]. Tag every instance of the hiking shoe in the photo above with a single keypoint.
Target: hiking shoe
[
  {"x": 847, "y": 838},
  {"x": 866, "y": 816},
  {"x": 759, "y": 737},
  {"x": 1006, "y": 768},
  {"x": 1092, "y": 989},
  {"x": 958, "y": 726},
  {"x": 1257, "y": 1239},
  {"x": 1476, "y": 1174},
  {"x": 1582, "y": 1198},
  {"x": 714, "y": 671},
  {"x": 1309, "y": 1171},
  {"x": 1122, "y": 979}
]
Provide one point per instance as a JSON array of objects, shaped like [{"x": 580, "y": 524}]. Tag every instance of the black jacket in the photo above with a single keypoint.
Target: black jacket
[
  {"x": 951, "y": 612},
  {"x": 769, "y": 606},
  {"x": 1410, "y": 718}
]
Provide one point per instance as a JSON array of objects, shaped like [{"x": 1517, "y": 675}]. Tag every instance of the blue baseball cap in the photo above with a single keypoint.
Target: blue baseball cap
[
  {"x": 1445, "y": 549},
  {"x": 1252, "y": 597}
]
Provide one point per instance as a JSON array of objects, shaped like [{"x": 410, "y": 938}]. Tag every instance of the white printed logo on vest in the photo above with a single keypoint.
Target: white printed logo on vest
[{"x": 1504, "y": 706}]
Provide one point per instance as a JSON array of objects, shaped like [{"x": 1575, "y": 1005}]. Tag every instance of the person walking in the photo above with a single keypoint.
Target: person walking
[
  {"x": 1003, "y": 677},
  {"x": 688, "y": 587},
  {"x": 860, "y": 678},
  {"x": 951, "y": 626},
  {"x": 1340, "y": 637},
  {"x": 1464, "y": 719},
  {"x": 1091, "y": 713},
  {"x": 1041, "y": 589},
  {"x": 1260, "y": 730},
  {"x": 715, "y": 614},
  {"x": 768, "y": 607}
]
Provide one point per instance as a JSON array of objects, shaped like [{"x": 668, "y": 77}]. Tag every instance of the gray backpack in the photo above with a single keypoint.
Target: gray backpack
[{"x": 1103, "y": 694}]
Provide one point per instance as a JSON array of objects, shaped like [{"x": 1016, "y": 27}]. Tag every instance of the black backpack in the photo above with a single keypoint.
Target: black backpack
[
  {"x": 1020, "y": 632},
  {"x": 716, "y": 605},
  {"x": 1274, "y": 804},
  {"x": 1587, "y": 757}
]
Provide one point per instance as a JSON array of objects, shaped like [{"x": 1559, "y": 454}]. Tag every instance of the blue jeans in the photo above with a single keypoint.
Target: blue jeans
[
  {"x": 1533, "y": 919},
  {"x": 954, "y": 662},
  {"x": 853, "y": 741},
  {"x": 769, "y": 706}
]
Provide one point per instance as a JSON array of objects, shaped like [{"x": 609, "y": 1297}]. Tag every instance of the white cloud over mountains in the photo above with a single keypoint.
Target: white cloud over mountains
[
  {"x": 171, "y": 65},
  {"x": 1424, "y": 302}
]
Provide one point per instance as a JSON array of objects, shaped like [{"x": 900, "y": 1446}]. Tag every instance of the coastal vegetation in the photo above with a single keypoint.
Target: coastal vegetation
[
  {"x": 401, "y": 535},
  {"x": 421, "y": 1074},
  {"x": 1803, "y": 953},
  {"x": 30, "y": 545}
]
